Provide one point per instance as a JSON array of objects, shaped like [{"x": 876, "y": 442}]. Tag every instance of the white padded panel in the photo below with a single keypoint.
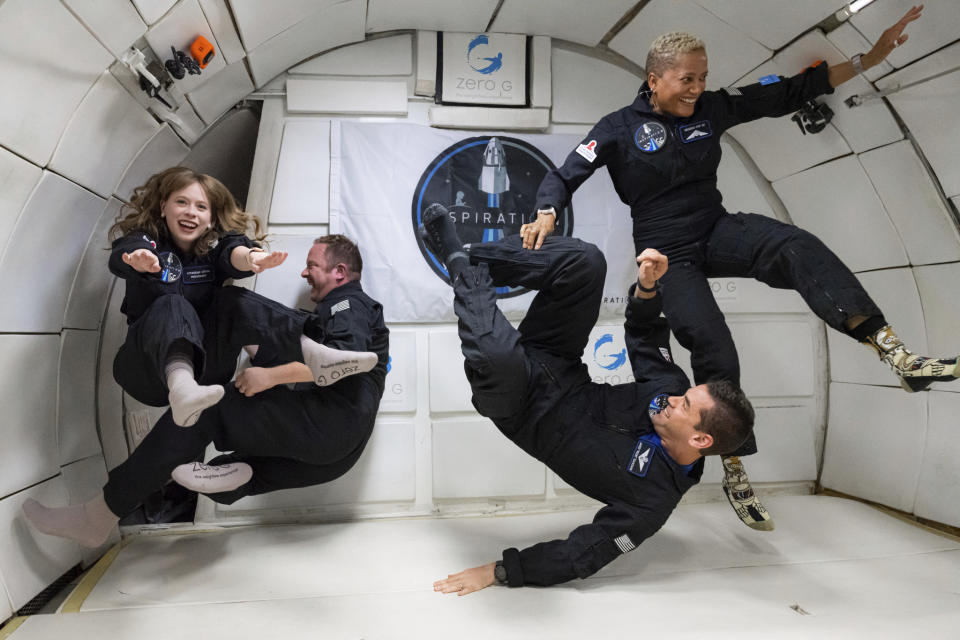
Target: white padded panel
[
  {"x": 746, "y": 295},
  {"x": 28, "y": 394},
  {"x": 284, "y": 283},
  {"x": 731, "y": 54},
  {"x": 541, "y": 74},
  {"x": 109, "y": 394},
  {"x": 164, "y": 149},
  {"x": 77, "y": 413},
  {"x": 864, "y": 127},
  {"x": 331, "y": 27},
  {"x": 764, "y": 348},
  {"x": 259, "y": 21},
  {"x": 88, "y": 295},
  {"x": 766, "y": 138},
  {"x": 938, "y": 493},
  {"x": 874, "y": 445},
  {"x": 85, "y": 479},
  {"x": 472, "y": 459},
  {"x": 47, "y": 242},
  {"x": 385, "y": 472},
  {"x": 585, "y": 89},
  {"x": 938, "y": 27},
  {"x": 301, "y": 192},
  {"x": 851, "y": 42},
  {"x": 400, "y": 392},
  {"x": 941, "y": 308},
  {"x": 486, "y": 118},
  {"x": 228, "y": 42},
  {"x": 449, "y": 389},
  {"x": 55, "y": 40},
  {"x": 116, "y": 23},
  {"x": 391, "y": 56},
  {"x": 910, "y": 196},
  {"x": 929, "y": 110},
  {"x": 785, "y": 441},
  {"x": 153, "y": 10},
  {"x": 29, "y": 560},
  {"x": 934, "y": 64},
  {"x": 895, "y": 292},
  {"x": 426, "y": 84},
  {"x": 315, "y": 95},
  {"x": 437, "y": 15},
  {"x": 583, "y": 22},
  {"x": 184, "y": 120},
  {"x": 836, "y": 202},
  {"x": 17, "y": 180},
  {"x": 773, "y": 24},
  {"x": 6, "y": 607},
  {"x": 106, "y": 133},
  {"x": 738, "y": 186},
  {"x": 221, "y": 92},
  {"x": 178, "y": 29}
]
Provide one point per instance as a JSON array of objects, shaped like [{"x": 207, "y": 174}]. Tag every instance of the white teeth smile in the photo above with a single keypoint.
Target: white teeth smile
[{"x": 190, "y": 226}]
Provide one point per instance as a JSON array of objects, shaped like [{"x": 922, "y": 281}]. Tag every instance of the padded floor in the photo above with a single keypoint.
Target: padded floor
[{"x": 833, "y": 568}]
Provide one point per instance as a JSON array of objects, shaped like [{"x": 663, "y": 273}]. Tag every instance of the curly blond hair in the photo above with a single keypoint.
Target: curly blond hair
[
  {"x": 143, "y": 212},
  {"x": 668, "y": 47}
]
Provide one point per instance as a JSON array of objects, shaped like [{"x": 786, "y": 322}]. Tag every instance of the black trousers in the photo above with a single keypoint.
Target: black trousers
[
  {"x": 754, "y": 246},
  {"x": 234, "y": 317},
  {"x": 516, "y": 375},
  {"x": 291, "y": 438}
]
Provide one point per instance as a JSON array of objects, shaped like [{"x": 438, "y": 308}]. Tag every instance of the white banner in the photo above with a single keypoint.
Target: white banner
[{"x": 382, "y": 175}]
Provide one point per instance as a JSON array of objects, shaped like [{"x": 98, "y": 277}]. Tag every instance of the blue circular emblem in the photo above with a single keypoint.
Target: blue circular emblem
[
  {"x": 170, "y": 267},
  {"x": 650, "y": 137},
  {"x": 479, "y": 62}
]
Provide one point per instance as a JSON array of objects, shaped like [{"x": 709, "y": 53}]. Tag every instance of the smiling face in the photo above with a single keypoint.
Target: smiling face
[
  {"x": 322, "y": 278},
  {"x": 188, "y": 216},
  {"x": 677, "y": 90},
  {"x": 681, "y": 417}
]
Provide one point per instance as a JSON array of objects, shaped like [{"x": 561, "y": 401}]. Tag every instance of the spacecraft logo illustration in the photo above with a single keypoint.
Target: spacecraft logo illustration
[
  {"x": 477, "y": 59},
  {"x": 170, "y": 267},
  {"x": 650, "y": 136},
  {"x": 489, "y": 186},
  {"x": 665, "y": 353},
  {"x": 604, "y": 357},
  {"x": 695, "y": 131}
]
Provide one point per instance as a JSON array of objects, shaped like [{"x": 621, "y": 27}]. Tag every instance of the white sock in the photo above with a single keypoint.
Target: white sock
[
  {"x": 89, "y": 523},
  {"x": 205, "y": 478},
  {"x": 187, "y": 398},
  {"x": 330, "y": 365}
]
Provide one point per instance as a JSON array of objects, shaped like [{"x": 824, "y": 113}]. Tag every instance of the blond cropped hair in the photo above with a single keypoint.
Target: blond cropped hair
[{"x": 668, "y": 47}]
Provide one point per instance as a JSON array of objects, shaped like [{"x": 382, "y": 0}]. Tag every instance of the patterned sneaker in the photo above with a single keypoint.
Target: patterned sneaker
[
  {"x": 736, "y": 485},
  {"x": 916, "y": 373}
]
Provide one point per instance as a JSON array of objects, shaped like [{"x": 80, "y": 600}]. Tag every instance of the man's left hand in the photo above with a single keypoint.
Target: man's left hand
[
  {"x": 253, "y": 380},
  {"x": 892, "y": 37},
  {"x": 467, "y": 581}
]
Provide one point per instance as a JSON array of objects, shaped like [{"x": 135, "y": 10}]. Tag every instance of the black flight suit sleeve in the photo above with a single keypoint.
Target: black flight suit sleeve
[
  {"x": 558, "y": 185},
  {"x": 648, "y": 341},
  {"x": 225, "y": 246},
  {"x": 589, "y": 547},
  {"x": 750, "y": 102},
  {"x": 350, "y": 329},
  {"x": 128, "y": 244}
]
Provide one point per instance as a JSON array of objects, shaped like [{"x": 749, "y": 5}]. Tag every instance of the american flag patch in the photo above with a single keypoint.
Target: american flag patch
[
  {"x": 343, "y": 305},
  {"x": 624, "y": 543}
]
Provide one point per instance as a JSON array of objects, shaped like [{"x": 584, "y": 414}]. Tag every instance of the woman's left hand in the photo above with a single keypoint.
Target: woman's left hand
[
  {"x": 261, "y": 260},
  {"x": 893, "y": 37},
  {"x": 467, "y": 581}
]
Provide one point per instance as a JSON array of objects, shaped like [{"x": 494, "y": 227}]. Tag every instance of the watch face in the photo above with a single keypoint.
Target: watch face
[{"x": 500, "y": 573}]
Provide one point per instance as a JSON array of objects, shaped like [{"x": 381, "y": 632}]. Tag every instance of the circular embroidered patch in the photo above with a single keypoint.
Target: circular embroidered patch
[
  {"x": 170, "y": 267},
  {"x": 650, "y": 137}
]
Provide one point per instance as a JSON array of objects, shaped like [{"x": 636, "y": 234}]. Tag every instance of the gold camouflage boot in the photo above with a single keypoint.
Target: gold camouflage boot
[
  {"x": 916, "y": 373},
  {"x": 744, "y": 501}
]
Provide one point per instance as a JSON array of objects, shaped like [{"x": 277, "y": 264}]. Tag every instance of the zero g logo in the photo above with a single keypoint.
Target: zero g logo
[
  {"x": 605, "y": 357},
  {"x": 476, "y": 59},
  {"x": 650, "y": 136},
  {"x": 489, "y": 186}
]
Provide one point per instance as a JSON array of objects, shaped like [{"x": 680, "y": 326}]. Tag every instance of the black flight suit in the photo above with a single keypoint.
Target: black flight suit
[
  {"x": 165, "y": 307},
  {"x": 291, "y": 437},
  {"x": 534, "y": 386},
  {"x": 665, "y": 169}
]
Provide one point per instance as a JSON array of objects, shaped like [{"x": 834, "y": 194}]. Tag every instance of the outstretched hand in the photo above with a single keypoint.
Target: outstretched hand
[
  {"x": 253, "y": 380},
  {"x": 142, "y": 260},
  {"x": 261, "y": 260},
  {"x": 651, "y": 265},
  {"x": 467, "y": 581},
  {"x": 534, "y": 233},
  {"x": 894, "y": 36}
]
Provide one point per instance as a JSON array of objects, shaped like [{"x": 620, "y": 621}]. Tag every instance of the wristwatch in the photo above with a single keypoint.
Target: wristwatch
[
  {"x": 656, "y": 287},
  {"x": 857, "y": 62},
  {"x": 500, "y": 572}
]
